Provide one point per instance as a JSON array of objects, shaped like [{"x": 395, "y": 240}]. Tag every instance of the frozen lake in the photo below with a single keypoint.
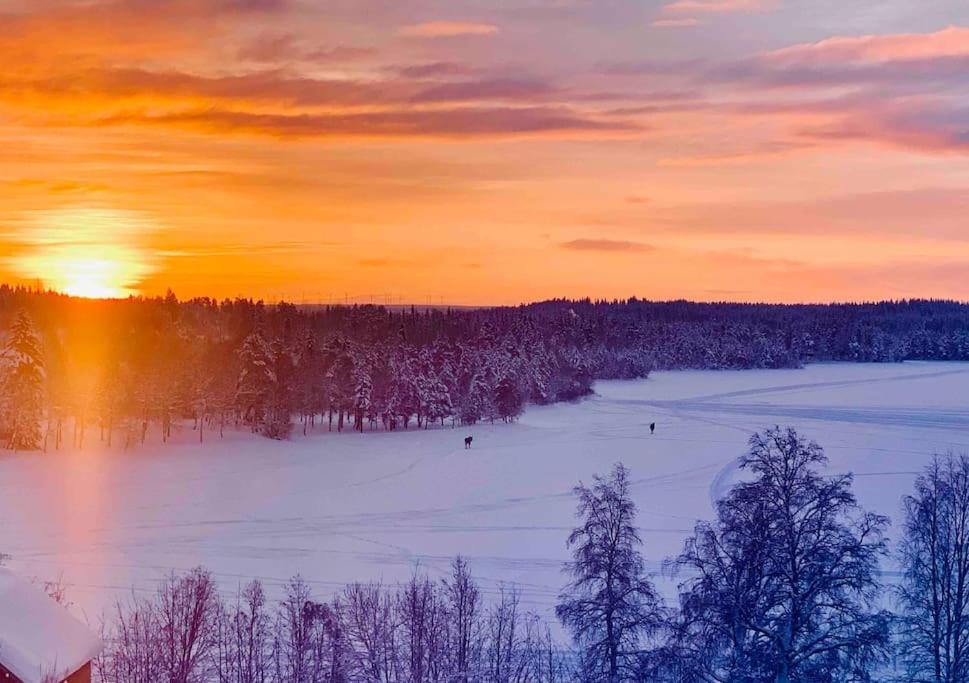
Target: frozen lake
[{"x": 343, "y": 507}]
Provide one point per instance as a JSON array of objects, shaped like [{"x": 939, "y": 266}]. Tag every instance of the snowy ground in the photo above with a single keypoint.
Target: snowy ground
[{"x": 339, "y": 508}]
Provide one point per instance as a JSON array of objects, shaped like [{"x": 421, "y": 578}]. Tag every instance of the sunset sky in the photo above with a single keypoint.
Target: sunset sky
[{"x": 486, "y": 151}]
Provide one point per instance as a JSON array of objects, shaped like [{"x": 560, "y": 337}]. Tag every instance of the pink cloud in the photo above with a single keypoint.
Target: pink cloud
[
  {"x": 719, "y": 6},
  {"x": 286, "y": 47},
  {"x": 448, "y": 29},
  {"x": 949, "y": 42},
  {"x": 459, "y": 123},
  {"x": 676, "y": 23}
]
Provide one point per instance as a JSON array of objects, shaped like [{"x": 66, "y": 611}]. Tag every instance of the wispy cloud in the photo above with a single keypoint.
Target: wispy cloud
[
  {"x": 676, "y": 23},
  {"x": 487, "y": 89},
  {"x": 906, "y": 91},
  {"x": 719, "y": 6},
  {"x": 686, "y": 13},
  {"x": 464, "y": 122},
  {"x": 273, "y": 48},
  {"x": 949, "y": 42},
  {"x": 437, "y": 70},
  {"x": 447, "y": 29},
  {"x": 607, "y": 245},
  {"x": 243, "y": 248}
]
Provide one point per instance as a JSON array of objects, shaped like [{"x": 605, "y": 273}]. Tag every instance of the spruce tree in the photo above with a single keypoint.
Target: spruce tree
[{"x": 23, "y": 384}]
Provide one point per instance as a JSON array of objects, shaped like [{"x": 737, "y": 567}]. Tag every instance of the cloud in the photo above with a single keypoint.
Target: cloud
[
  {"x": 926, "y": 127},
  {"x": 287, "y": 47},
  {"x": 464, "y": 122},
  {"x": 281, "y": 102},
  {"x": 906, "y": 91},
  {"x": 437, "y": 70},
  {"x": 48, "y": 32},
  {"x": 447, "y": 29},
  {"x": 949, "y": 42},
  {"x": 920, "y": 62},
  {"x": 486, "y": 89},
  {"x": 607, "y": 245},
  {"x": 935, "y": 211},
  {"x": 676, "y": 23},
  {"x": 691, "y": 68},
  {"x": 719, "y": 6},
  {"x": 111, "y": 87},
  {"x": 105, "y": 85},
  {"x": 243, "y": 248}
]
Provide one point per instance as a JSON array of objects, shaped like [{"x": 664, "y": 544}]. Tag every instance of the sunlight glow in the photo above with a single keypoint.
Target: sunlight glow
[{"x": 93, "y": 253}]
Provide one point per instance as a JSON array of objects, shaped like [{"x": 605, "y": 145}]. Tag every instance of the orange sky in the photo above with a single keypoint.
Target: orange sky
[{"x": 486, "y": 152}]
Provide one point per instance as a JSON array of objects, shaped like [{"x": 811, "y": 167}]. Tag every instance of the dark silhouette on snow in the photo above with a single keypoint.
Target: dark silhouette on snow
[
  {"x": 418, "y": 630},
  {"x": 610, "y": 606},
  {"x": 467, "y": 441},
  {"x": 783, "y": 585},
  {"x": 933, "y": 595},
  {"x": 652, "y": 427}
]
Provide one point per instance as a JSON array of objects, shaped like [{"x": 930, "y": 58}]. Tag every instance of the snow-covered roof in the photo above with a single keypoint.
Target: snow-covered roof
[{"x": 38, "y": 637}]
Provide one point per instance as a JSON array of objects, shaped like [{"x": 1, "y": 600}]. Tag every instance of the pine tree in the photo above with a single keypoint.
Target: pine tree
[
  {"x": 277, "y": 424},
  {"x": 23, "y": 384},
  {"x": 263, "y": 393},
  {"x": 362, "y": 397},
  {"x": 508, "y": 398},
  {"x": 439, "y": 406},
  {"x": 474, "y": 406}
]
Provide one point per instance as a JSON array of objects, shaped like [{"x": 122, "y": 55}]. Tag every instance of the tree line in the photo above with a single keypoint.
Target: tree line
[
  {"x": 784, "y": 585},
  {"x": 121, "y": 372}
]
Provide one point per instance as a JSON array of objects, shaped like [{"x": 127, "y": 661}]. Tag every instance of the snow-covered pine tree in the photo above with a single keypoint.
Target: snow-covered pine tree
[
  {"x": 439, "y": 405},
  {"x": 362, "y": 396},
  {"x": 23, "y": 385},
  {"x": 508, "y": 398},
  {"x": 277, "y": 423},
  {"x": 475, "y": 402},
  {"x": 255, "y": 380},
  {"x": 309, "y": 381}
]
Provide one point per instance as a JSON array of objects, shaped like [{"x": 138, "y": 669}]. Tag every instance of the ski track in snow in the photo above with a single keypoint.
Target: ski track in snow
[{"x": 347, "y": 507}]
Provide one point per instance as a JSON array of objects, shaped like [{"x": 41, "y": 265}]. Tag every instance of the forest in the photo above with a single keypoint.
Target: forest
[
  {"x": 783, "y": 585},
  {"x": 124, "y": 371}
]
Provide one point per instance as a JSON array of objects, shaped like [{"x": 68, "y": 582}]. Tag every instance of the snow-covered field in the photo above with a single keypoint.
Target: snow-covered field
[{"x": 343, "y": 507}]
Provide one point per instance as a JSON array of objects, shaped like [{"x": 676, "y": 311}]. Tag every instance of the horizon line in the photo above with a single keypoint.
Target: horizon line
[{"x": 349, "y": 302}]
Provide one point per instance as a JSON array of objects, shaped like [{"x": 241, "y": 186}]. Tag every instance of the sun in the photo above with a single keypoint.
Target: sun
[
  {"x": 92, "y": 253},
  {"x": 95, "y": 277}
]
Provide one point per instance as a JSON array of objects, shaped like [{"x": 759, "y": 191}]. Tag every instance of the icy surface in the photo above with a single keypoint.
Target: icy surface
[{"x": 344, "y": 507}]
